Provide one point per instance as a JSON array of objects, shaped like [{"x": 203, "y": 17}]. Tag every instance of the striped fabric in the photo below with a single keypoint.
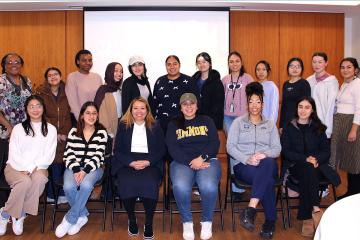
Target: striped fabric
[{"x": 80, "y": 154}]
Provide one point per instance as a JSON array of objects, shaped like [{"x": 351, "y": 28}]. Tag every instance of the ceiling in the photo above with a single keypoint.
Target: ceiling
[{"x": 320, "y": 6}]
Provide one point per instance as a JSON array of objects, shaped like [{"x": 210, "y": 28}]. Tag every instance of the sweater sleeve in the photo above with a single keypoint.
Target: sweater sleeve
[
  {"x": 282, "y": 110},
  {"x": 232, "y": 143},
  {"x": 274, "y": 103},
  {"x": 323, "y": 155},
  {"x": 122, "y": 157},
  {"x": 287, "y": 150},
  {"x": 126, "y": 95},
  {"x": 157, "y": 156},
  {"x": 72, "y": 96},
  {"x": 14, "y": 144},
  {"x": 69, "y": 154},
  {"x": 217, "y": 109},
  {"x": 330, "y": 106},
  {"x": 97, "y": 159},
  {"x": 274, "y": 145},
  {"x": 212, "y": 148},
  {"x": 49, "y": 149},
  {"x": 173, "y": 146},
  {"x": 355, "y": 94}
]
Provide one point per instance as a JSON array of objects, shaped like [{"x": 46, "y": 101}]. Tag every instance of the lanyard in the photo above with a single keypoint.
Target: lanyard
[{"x": 234, "y": 86}]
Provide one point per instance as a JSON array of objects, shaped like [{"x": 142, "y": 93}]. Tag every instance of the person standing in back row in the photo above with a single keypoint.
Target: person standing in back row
[{"x": 81, "y": 86}]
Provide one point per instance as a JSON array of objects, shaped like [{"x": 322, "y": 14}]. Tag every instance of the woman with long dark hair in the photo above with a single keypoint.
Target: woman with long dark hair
[
  {"x": 193, "y": 143},
  {"x": 253, "y": 142},
  {"x": 108, "y": 98},
  {"x": 234, "y": 86},
  {"x": 210, "y": 89},
  {"x": 306, "y": 153},
  {"x": 84, "y": 158},
  {"x": 138, "y": 164},
  {"x": 31, "y": 150},
  {"x": 345, "y": 140},
  {"x": 293, "y": 89}
]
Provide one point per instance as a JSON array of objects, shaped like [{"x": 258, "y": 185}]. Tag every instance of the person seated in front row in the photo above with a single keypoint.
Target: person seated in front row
[
  {"x": 306, "y": 152},
  {"x": 137, "y": 165},
  {"x": 193, "y": 143},
  {"x": 84, "y": 158},
  {"x": 254, "y": 143},
  {"x": 32, "y": 149}
]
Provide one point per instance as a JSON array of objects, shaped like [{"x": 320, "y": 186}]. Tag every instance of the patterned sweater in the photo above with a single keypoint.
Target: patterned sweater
[{"x": 85, "y": 155}]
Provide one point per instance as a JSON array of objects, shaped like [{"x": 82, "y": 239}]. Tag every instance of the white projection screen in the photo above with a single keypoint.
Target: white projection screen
[{"x": 115, "y": 35}]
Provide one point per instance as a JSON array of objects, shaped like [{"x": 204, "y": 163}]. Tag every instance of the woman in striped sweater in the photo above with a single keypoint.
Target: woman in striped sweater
[{"x": 83, "y": 157}]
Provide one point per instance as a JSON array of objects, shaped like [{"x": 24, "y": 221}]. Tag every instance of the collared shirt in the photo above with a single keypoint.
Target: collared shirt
[{"x": 139, "y": 139}]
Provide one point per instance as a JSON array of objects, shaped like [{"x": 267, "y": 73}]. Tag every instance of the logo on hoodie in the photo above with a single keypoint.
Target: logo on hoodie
[{"x": 192, "y": 131}]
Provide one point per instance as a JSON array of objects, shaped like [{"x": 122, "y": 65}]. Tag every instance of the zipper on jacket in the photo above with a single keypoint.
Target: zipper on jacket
[
  {"x": 255, "y": 140},
  {"x": 58, "y": 121}
]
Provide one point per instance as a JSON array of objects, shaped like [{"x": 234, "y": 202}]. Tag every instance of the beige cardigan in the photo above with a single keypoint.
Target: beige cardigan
[{"x": 108, "y": 114}]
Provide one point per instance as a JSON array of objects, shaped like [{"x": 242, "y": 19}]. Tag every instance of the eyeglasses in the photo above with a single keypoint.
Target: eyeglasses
[
  {"x": 295, "y": 67},
  {"x": 233, "y": 86},
  {"x": 16, "y": 62},
  {"x": 37, "y": 106}
]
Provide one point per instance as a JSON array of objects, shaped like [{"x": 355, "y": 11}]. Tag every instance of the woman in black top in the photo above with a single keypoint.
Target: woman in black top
[
  {"x": 210, "y": 88},
  {"x": 138, "y": 163},
  {"x": 306, "y": 152},
  {"x": 293, "y": 89},
  {"x": 137, "y": 84}
]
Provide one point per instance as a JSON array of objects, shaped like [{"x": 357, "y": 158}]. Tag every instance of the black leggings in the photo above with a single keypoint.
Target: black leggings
[{"x": 149, "y": 206}]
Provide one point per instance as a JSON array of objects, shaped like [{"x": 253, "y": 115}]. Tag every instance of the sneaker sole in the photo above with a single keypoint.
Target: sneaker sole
[
  {"x": 149, "y": 238},
  {"x": 133, "y": 234}
]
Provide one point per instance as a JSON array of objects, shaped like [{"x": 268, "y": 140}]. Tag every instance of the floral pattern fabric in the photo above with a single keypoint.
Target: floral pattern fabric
[{"x": 12, "y": 99}]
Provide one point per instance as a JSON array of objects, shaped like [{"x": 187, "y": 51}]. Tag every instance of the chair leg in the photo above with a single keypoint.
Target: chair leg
[
  {"x": 282, "y": 207},
  {"x": 232, "y": 211},
  {"x": 44, "y": 211},
  {"x": 288, "y": 206},
  {"x": 221, "y": 209},
  {"x": 334, "y": 192},
  {"x": 227, "y": 189}
]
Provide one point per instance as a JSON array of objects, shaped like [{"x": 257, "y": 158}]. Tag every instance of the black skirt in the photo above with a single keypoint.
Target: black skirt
[{"x": 138, "y": 183}]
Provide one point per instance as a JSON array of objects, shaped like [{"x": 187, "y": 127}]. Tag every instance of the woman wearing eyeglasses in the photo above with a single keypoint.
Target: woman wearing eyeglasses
[
  {"x": 137, "y": 85},
  {"x": 293, "y": 89},
  {"x": 14, "y": 90},
  {"x": 234, "y": 85},
  {"x": 210, "y": 88}
]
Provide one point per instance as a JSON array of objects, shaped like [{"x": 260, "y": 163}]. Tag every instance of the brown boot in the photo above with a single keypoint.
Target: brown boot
[
  {"x": 316, "y": 216},
  {"x": 307, "y": 229}
]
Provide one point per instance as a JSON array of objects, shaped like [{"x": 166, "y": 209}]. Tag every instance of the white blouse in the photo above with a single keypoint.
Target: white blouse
[
  {"x": 348, "y": 100},
  {"x": 139, "y": 139}
]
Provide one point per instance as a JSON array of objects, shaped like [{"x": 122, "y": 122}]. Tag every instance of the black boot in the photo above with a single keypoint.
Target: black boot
[
  {"x": 247, "y": 218},
  {"x": 148, "y": 232},
  {"x": 133, "y": 229},
  {"x": 268, "y": 229}
]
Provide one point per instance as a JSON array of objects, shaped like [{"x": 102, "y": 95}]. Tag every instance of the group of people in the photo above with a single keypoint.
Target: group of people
[{"x": 71, "y": 126}]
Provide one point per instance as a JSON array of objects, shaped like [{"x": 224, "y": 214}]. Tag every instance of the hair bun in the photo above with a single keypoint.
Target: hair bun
[{"x": 254, "y": 88}]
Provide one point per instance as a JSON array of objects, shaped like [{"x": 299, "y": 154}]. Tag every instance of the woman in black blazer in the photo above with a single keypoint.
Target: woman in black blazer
[
  {"x": 306, "y": 152},
  {"x": 210, "y": 89},
  {"x": 138, "y": 163}
]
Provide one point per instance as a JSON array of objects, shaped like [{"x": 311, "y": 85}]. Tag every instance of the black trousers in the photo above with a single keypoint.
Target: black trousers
[
  {"x": 149, "y": 206},
  {"x": 308, "y": 182}
]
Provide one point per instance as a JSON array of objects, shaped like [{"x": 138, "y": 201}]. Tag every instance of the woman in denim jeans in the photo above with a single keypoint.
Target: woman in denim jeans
[
  {"x": 83, "y": 157},
  {"x": 193, "y": 143}
]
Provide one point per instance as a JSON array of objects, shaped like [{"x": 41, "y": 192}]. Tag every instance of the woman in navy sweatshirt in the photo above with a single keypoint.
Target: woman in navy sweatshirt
[{"x": 193, "y": 143}]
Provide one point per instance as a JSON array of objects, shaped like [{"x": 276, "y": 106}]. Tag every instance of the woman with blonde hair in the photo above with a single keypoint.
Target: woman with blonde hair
[{"x": 138, "y": 163}]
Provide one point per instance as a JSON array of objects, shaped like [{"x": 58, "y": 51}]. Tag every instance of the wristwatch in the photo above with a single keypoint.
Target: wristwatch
[{"x": 205, "y": 157}]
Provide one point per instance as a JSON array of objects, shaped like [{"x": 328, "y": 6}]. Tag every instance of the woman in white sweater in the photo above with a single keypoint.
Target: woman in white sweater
[
  {"x": 324, "y": 88},
  {"x": 32, "y": 149}
]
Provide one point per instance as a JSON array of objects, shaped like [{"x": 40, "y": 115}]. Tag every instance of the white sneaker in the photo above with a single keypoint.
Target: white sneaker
[
  {"x": 18, "y": 225},
  {"x": 74, "y": 229},
  {"x": 63, "y": 228},
  {"x": 325, "y": 192},
  {"x": 188, "y": 231},
  {"x": 62, "y": 199},
  {"x": 206, "y": 230},
  {"x": 3, "y": 223}
]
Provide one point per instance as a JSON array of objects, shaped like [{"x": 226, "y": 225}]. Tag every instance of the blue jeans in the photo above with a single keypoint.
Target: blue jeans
[
  {"x": 78, "y": 196},
  {"x": 183, "y": 179},
  {"x": 227, "y": 122},
  {"x": 262, "y": 178}
]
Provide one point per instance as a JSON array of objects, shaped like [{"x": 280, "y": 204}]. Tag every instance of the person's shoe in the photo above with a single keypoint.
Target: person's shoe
[
  {"x": 63, "y": 228},
  {"x": 267, "y": 230},
  {"x": 148, "y": 232},
  {"x": 206, "y": 230},
  {"x": 74, "y": 229},
  {"x": 247, "y": 218},
  {"x": 307, "y": 229},
  {"x": 3, "y": 223},
  {"x": 133, "y": 229},
  {"x": 316, "y": 216},
  {"x": 324, "y": 193},
  {"x": 188, "y": 231},
  {"x": 62, "y": 199},
  {"x": 50, "y": 200},
  {"x": 18, "y": 225}
]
